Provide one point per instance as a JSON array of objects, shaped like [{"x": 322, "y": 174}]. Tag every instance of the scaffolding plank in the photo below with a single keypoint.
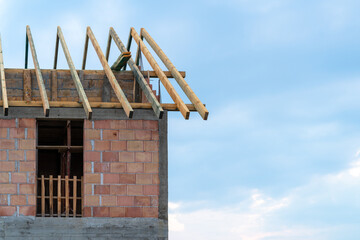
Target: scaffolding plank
[
  {"x": 75, "y": 76},
  {"x": 51, "y": 195},
  {"x": 3, "y": 83},
  {"x": 139, "y": 77},
  {"x": 165, "y": 81},
  {"x": 42, "y": 196},
  {"x": 66, "y": 195},
  {"x": 180, "y": 80},
  {"x": 39, "y": 77},
  {"x": 110, "y": 75},
  {"x": 74, "y": 195},
  {"x": 59, "y": 196}
]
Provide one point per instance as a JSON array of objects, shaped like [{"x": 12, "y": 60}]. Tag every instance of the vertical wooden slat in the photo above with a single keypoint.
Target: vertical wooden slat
[
  {"x": 56, "y": 51},
  {"x": 42, "y": 196},
  {"x": 3, "y": 83},
  {"x": 59, "y": 196},
  {"x": 67, "y": 195},
  {"x": 74, "y": 195},
  {"x": 68, "y": 142},
  {"x": 82, "y": 195},
  {"x": 51, "y": 195},
  {"x": 85, "y": 51}
]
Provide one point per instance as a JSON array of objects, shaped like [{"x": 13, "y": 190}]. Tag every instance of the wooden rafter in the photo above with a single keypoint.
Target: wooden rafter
[
  {"x": 39, "y": 78},
  {"x": 110, "y": 75},
  {"x": 165, "y": 81},
  {"x": 138, "y": 76},
  {"x": 74, "y": 75},
  {"x": 3, "y": 83},
  {"x": 180, "y": 80}
]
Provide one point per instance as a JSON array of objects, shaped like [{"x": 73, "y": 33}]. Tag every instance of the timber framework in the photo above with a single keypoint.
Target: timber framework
[{"x": 113, "y": 87}]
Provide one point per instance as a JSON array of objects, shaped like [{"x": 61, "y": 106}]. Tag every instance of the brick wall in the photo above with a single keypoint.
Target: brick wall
[
  {"x": 121, "y": 168},
  {"x": 17, "y": 167}
]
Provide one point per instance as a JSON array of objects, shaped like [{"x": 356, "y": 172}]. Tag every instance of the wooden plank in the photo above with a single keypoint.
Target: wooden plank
[
  {"x": 85, "y": 51},
  {"x": 139, "y": 77},
  {"x": 27, "y": 85},
  {"x": 51, "y": 195},
  {"x": 66, "y": 195},
  {"x": 181, "y": 81},
  {"x": 166, "y": 106},
  {"x": 128, "y": 46},
  {"x": 42, "y": 196},
  {"x": 165, "y": 81},
  {"x": 75, "y": 76},
  {"x": 54, "y": 85},
  {"x": 115, "y": 85},
  {"x": 56, "y": 51},
  {"x": 121, "y": 61},
  {"x": 82, "y": 195},
  {"x": 39, "y": 78},
  {"x": 59, "y": 196},
  {"x": 74, "y": 195},
  {"x": 3, "y": 83},
  {"x": 108, "y": 46}
]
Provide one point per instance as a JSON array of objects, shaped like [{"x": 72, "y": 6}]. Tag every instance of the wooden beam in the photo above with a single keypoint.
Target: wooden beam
[
  {"x": 56, "y": 51},
  {"x": 139, "y": 77},
  {"x": 181, "y": 81},
  {"x": 65, "y": 104},
  {"x": 75, "y": 76},
  {"x": 165, "y": 81},
  {"x": 27, "y": 85},
  {"x": 110, "y": 75},
  {"x": 121, "y": 61},
  {"x": 85, "y": 51},
  {"x": 128, "y": 46},
  {"x": 3, "y": 83},
  {"x": 39, "y": 78}
]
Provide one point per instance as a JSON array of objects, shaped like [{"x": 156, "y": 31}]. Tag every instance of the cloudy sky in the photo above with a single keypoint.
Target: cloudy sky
[{"x": 279, "y": 157}]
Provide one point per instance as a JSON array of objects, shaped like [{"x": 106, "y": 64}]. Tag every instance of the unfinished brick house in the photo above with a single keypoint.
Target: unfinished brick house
[{"x": 83, "y": 153}]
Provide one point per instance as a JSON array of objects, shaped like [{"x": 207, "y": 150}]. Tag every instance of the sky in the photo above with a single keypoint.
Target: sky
[{"x": 279, "y": 156}]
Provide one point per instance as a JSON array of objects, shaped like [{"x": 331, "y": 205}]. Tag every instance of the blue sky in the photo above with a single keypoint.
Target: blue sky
[{"x": 279, "y": 156}]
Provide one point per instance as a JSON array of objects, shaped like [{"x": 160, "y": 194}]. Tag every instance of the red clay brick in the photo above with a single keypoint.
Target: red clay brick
[
  {"x": 4, "y": 178},
  {"x": 87, "y": 189},
  {"x": 151, "y": 167},
  {"x": 87, "y": 167},
  {"x": 92, "y": 201},
  {"x": 125, "y": 200},
  {"x": 102, "y": 124},
  {"x": 101, "y": 212},
  {"x": 88, "y": 124},
  {"x": 150, "y": 124},
  {"x": 27, "y": 210},
  {"x": 143, "y": 157},
  {"x": 111, "y": 178},
  {"x": 135, "y": 145},
  {"x": 7, "y": 144},
  {"x": 110, "y": 156},
  {"x": 142, "y": 135},
  {"x": 133, "y": 212},
  {"x": 154, "y": 201},
  {"x": 87, "y": 212},
  {"x": 27, "y": 144},
  {"x": 118, "y": 146},
  {"x": 18, "y": 177},
  {"x": 117, "y": 212},
  {"x": 31, "y": 133},
  {"x": 151, "y": 190},
  {"x": 8, "y": 188},
  {"x": 135, "y": 167},
  {"x": 134, "y": 124},
  {"x": 16, "y": 155},
  {"x": 30, "y": 155},
  {"x": 141, "y": 201},
  {"x": 118, "y": 124},
  {"x": 87, "y": 145},
  {"x": 126, "y": 157},
  {"x": 117, "y": 189},
  {"x": 151, "y": 146},
  {"x": 110, "y": 135},
  {"x": 31, "y": 199},
  {"x": 3, "y": 155},
  {"x": 135, "y": 190},
  {"x": 156, "y": 179},
  {"x": 6, "y": 123},
  {"x": 108, "y": 200},
  {"x": 151, "y": 212},
  {"x": 126, "y": 135},
  {"x": 27, "y": 188},
  {"x": 92, "y": 134},
  {"x": 102, "y": 145},
  {"x": 4, "y": 199},
  {"x": 92, "y": 156},
  {"x": 155, "y": 136},
  {"x": 3, "y": 132},
  {"x": 7, "y": 210},
  {"x": 17, "y": 132},
  {"x": 31, "y": 177},
  {"x": 102, "y": 189},
  {"x": 92, "y": 178},
  {"x": 17, "y": 200},
  {"x": 127, "y": 178},
  {"x": 155, "y": 157},
  {"x": 102, "y": 167},
  {"x": 144, "y": 179},
  {"x": 27, "y": 166},
  {"x": 118, "y": 167},
  {"x": 27, "y": 123},
  {"x": 7, "y": 166}
]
